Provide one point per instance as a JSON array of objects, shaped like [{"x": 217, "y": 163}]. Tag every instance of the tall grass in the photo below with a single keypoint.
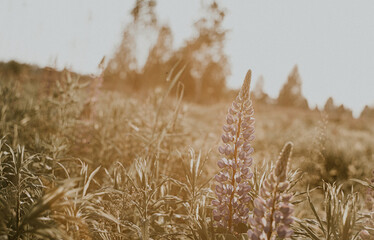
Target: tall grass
[{"x": 137, "y": 169}]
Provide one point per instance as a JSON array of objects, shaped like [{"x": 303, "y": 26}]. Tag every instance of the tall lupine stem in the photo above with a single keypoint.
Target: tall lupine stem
[
  {"x": 272, "y": 208},
  {"x": 232, "y": 187}
]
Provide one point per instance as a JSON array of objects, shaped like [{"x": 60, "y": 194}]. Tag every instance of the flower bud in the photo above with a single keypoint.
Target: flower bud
[
  {"x": 285, "y": 209},
  {"x": 283, "y": 231},
  {"x": 226, "y": 128},
  {"x": 283, "y": 186},
  {"x": 257, "y": 212},
  {"x": 229, "y": 119},
  {"x": 232, "y": 111},
  {"x": 242, "y": 155},
  {"x": 221, "y": 150},
  {"x": 221, "y": 164}
]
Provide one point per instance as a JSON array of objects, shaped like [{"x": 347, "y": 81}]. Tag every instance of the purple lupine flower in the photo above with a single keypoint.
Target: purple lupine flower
[
  {"x": 272, "y": 213},
  {"x": 232, "y": 182}
]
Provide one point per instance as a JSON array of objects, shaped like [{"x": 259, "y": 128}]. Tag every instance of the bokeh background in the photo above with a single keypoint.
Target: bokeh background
[{"x": 331, "y": 42}]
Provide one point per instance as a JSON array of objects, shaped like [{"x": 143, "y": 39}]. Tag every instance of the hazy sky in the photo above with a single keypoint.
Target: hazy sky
[{"x": 331, "y": 41}]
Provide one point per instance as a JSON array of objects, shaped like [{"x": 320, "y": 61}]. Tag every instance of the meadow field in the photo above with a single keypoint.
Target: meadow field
[{"x": 78, "y": 161}]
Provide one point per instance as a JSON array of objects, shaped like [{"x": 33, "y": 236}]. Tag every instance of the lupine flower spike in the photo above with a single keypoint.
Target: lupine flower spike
[
  {"x": 272, "y": 208},
  {"x": 232, "y": 182}
]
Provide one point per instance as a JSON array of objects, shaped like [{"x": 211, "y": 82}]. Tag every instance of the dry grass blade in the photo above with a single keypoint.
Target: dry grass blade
[{"x": 341, "y": 219}]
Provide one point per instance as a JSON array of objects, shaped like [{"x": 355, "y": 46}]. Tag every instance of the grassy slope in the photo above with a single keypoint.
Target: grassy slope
[
  {"x": 347, "y": 142},
  {"x": 117, "y": 127}
]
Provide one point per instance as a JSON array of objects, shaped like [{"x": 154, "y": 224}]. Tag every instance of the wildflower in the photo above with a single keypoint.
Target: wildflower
[
  {"x": 232, "y": 182},
  {"x": 272, "y": 213}
]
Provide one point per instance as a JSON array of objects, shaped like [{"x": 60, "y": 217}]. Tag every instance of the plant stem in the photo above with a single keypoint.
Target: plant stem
[
  {"x": 272, "y": 213},
  {"x": 234, "y": 171}
]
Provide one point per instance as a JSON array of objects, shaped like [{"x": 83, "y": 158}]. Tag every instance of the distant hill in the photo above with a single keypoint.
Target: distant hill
[{"x": 44, "y": 78}]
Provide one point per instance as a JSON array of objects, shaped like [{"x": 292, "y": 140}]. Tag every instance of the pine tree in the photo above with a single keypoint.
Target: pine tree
[{"x": 290, "y": 94}]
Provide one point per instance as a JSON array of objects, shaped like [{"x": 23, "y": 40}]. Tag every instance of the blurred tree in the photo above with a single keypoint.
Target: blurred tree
[
  {"x": 258, "y": 93},
  {"x": 203, "y": 55},
  {"x": 329, "y": 105},
  {"x": 158, "y": 63},
  {"x": 336, "y": 113},
  {"x": 368, "y": 112},
  {"x": 290, "y": 94},
  {"x": 207, "y": 64},
  {"x": 122, "y": 69},
  {"x": 144, "y": 12},
  {"x": 343, "y": 111}
]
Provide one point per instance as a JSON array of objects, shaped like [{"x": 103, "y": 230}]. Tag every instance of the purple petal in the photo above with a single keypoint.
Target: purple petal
[
  {"x": 221, "y": 149},
  {"x": 242, "y": 155},
  {"x": 229, "y": 119},
  {"x": 226, "y": 128},
  {"x": 221, "y": 164}
]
